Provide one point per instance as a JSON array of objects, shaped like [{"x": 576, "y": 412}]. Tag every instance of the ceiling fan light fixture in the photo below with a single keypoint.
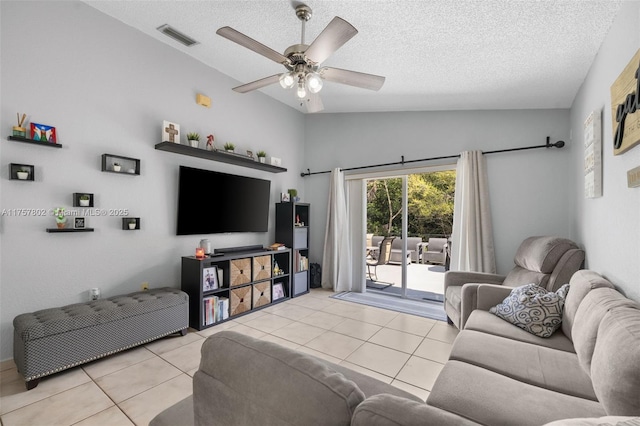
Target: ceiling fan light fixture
[
  {"x": 301, "y": 92},
  {"x": 313, "y": 82},
  {"x": 287, "y": 81}
]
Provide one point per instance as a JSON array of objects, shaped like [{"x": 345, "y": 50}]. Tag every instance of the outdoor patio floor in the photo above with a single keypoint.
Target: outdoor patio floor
[{"x": 420, "y": 277}]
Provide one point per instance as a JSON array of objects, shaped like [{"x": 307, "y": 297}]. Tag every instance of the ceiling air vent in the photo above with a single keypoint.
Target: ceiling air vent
[{"x": 176, "y": 35}]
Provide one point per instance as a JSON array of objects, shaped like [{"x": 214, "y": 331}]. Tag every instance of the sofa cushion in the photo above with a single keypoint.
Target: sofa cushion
[
  {"x": 389, "y": 410},
  {"x": 593, "y": 308},
  {"x": 533, "y": 309},
  {"x": 488, "y": 323},
  {"x": 548, "y": 368},
  {"x": 490, "y": 398},
  {"x": 237, "y": 370},
  {"x": 541, "y": 254},
  {"x": 615, "y": 366},
  {"x": 518, "y": 275},
  {"x": 598, "y": 421},
  {"x": 582, "y": 282}
]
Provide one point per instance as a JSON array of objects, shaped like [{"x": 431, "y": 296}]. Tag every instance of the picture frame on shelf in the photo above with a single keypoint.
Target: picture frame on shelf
[
  {"x": 278, "y": 291},
  {"x": 284, "y": 197},
  {"x": 170, "y": 132},
  {"x": 79, "y": 223},
  {"x": 210, "y": 279},
  {"x": 43, "y": 133}
]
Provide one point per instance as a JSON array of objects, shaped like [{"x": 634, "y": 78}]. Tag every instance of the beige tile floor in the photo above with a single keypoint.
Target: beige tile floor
[{"x": 133, "y": 386}]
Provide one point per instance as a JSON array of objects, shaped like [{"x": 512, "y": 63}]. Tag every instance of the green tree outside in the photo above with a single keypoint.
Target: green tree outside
[{"x": 430, "y": 205}]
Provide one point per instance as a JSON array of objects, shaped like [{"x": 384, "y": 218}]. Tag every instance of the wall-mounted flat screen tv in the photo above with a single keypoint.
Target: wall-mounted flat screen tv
[{"x": 212, "y": 202}]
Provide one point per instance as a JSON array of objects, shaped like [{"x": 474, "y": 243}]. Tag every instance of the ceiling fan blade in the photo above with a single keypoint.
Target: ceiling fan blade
[
  {"x": 258, "y": 84},
  {"x": 353, "y": 78},
  {"x": 249, "y": 43},
  {"x": 314, "y": 103},
  {"x": 337, "y": 33}
]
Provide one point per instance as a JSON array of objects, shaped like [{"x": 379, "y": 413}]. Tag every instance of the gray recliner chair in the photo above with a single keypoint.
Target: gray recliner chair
[{"x": 547, "y": 261}]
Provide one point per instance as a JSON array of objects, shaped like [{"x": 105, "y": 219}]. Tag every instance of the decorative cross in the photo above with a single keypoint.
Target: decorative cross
[{"x": 171, "y": 130}]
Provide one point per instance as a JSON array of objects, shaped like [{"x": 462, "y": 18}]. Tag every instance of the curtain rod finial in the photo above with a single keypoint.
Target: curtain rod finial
[{"x": 558, "y": 144}]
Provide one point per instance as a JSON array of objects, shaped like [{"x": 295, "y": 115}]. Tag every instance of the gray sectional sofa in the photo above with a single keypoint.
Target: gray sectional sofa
[{"x": 497, "y": 374}]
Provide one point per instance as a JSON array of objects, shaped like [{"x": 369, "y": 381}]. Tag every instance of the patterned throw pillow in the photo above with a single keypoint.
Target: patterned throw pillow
[{"x": 533, "y": 309}]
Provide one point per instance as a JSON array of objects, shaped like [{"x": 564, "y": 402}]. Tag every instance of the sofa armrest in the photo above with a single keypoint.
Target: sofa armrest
[
  {"x": 390, "y": 410},
  {"x": 460, "y": 278},
  {"x": 489, "y": 295}
]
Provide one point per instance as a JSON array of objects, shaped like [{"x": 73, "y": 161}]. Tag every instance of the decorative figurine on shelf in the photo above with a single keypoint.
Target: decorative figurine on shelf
[
  {"x": 276, "y": 268},
  {"x": 61, "y": 219},
  {"x": 293, "y": 195},
  {"x": 210, "y": 146},
  {"x": 19, "y": 130}
]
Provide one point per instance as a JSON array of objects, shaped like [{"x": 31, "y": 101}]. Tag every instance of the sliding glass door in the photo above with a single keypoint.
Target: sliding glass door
[{"x": 408, "y": 209}]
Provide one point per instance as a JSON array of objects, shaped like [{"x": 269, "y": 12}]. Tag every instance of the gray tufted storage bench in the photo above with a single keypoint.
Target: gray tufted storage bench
[{"x": 52, "y": 340}]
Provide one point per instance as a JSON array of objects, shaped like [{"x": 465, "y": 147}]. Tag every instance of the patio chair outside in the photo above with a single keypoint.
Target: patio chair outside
[
  {"x": 383, "y": 257},
  {"x": 436, "y": 251}
]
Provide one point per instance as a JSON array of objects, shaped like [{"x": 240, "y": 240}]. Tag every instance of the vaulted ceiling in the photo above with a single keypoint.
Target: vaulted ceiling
[{"x": 435, "y": 55}]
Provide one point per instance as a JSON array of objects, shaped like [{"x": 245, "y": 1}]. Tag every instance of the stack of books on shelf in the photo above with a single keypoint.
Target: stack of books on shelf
[
  {"x": 215, "y": 309},
  {"x": 302, "y": 262}
]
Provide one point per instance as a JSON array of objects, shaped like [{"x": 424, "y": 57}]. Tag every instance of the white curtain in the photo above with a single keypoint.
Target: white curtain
[
  {"x": 336, "y": 259},
  {"x": 472, "y": 240}
]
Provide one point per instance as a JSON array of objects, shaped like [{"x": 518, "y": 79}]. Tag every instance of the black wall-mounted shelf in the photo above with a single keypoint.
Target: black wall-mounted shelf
[
  {"x": 15, "y": 168},
  {"x": 76, "y": 199},
  {"x": 58, "y": 230},
  {"x": 35, "y": 142},
  {"x": 129, "y": 166},
  {"x": 125, "y": 223},
  {"x": 218, "y": 156}
]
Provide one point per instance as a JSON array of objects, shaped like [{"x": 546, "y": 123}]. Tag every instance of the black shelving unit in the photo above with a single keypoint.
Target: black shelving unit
[
  {"x": 35, "y": 142},
  {"x": 246, "y": 280},
  {"x": 223, "y": 157},
  {"x": 292, "y": 230}
]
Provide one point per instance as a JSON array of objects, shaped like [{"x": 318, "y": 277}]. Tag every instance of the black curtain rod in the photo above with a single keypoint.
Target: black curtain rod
[{"x": 558, "y": 144}]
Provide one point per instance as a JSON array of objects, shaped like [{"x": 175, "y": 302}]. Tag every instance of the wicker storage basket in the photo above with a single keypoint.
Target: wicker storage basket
[
  {"x": 240, "y": 300},
  {"x": 261, "y": 294},
  {"x": 240, "y": 271},
  {"x": 261, "y": 268}
]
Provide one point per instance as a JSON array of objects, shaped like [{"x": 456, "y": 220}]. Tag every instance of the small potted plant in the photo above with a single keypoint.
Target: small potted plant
[
  {"x": 116, "y": 167},
  {"x": 293, "y": 195},
  {"x": 261, "y": 156},
  {"x": 132, "y": 224},
  {"x": 229, "y": 147},
  {"x": 61, "y": 219},
  {"x": 194, "y": 139},
  {"x": 23, "y": 174},
  {"x": 84, "y": 200}
]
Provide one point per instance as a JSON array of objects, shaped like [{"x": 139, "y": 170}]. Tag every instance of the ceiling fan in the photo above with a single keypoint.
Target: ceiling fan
[{"x": 303, "y": 61}]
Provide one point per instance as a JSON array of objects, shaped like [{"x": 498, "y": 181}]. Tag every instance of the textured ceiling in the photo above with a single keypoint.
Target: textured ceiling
[{"x": 435, "y": 55}]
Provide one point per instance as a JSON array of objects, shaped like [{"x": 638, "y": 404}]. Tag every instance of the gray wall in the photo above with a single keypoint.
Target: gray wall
[
  {"x": 609, "y": 226},
  {"x": 107, "y": 88},
  {"x": 528, "y": 189}
]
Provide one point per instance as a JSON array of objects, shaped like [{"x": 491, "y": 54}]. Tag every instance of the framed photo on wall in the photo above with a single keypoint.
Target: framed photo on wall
[{"x": 210, "y": 278}]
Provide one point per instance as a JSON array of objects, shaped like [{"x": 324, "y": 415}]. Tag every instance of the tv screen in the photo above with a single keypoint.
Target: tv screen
[{"x": 211, "y": 202}]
